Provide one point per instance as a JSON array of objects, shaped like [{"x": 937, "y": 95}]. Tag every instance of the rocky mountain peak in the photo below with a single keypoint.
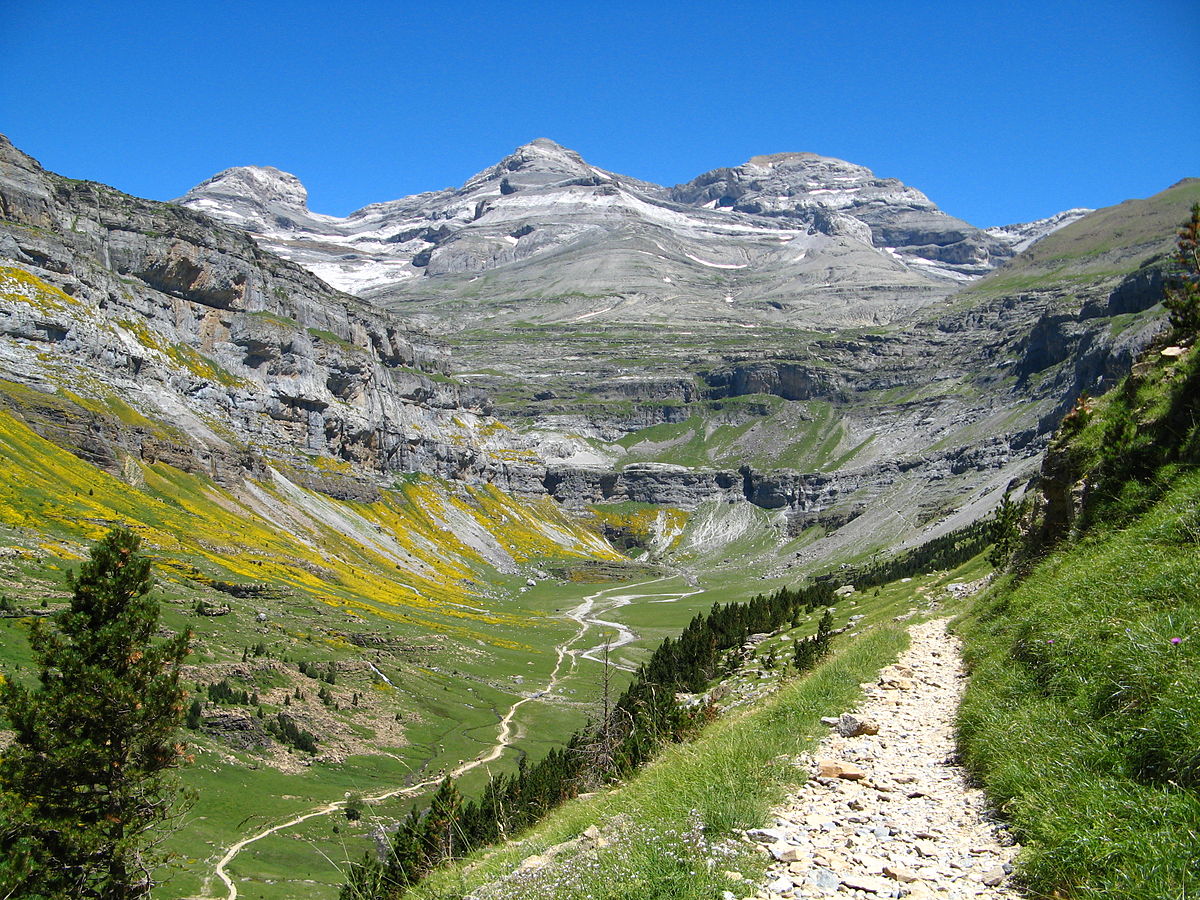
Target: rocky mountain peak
[
  {"x": 547, "y": 146},
  {"x": 543, "y": 153},
  {"x": 837, "y": 197},
  {"x": 811, "y": 167},
  {"x": 540, "y": 162},
  {"x": 260, "y": 185},
  {"x": 10, "y": 154},
  {"x": 785, "y": 183},
  {"x": 769, "y": 160}
]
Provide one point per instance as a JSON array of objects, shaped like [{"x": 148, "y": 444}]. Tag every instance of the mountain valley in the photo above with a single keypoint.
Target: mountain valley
[{"x": 444, "y": 450}]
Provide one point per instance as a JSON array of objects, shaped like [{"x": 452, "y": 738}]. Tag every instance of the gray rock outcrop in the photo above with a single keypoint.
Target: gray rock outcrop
[{"x": 249, "y": 358}]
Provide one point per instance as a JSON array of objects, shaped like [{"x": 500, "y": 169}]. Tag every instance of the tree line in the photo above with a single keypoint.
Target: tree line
[
  {"x": 947, "y": 551},
  {"x": 647, "y": 715}
]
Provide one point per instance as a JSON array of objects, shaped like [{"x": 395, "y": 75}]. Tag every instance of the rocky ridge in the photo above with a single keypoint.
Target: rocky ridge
[
  {"x": 1023, "y": 235},
  {"x": 839, "y": 197},
  {"x": 140, "y": 327},
  {"x": 545, "y": 224}
]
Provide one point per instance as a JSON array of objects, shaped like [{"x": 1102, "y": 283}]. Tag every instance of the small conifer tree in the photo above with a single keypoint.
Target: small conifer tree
[
  {"x": 1182, "y": 295},
  {"x": 86, "y": 787},
  {"x": 1005, "y": 530}
]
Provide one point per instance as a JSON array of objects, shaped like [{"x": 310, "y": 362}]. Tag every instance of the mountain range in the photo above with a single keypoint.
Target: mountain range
[
  {"x": 792, "y": 237},
  {"x": 793, "y": 331}
]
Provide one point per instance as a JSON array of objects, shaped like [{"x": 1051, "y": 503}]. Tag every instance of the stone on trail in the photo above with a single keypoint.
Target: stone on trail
[
  {"x": 533, "y": 863},
  {"x": 899, "y": 873},
  {"x": 832, "y": 768},
  {"x": 870, "y": 864},
  {"x": 823, "y": 880},
  {"x": 767, "y": 835},
  {"x": 995, "y": 876},
  {"x": 851, "y": 726},
  {"x": 872, "y": 883}
]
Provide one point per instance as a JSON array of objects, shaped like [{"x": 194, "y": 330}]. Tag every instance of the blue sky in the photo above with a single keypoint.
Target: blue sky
[{"x": 1000, "y": 111}]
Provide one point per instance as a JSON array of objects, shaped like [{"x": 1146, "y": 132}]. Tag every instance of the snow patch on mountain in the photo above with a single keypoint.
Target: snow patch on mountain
[{"x": 1024, "y": 235}]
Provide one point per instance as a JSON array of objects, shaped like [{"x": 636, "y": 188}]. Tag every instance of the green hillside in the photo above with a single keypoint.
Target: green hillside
[
  {"x": 1106, "y": 243},
  {"x": 398, "y": 632},
  {"x": 1083, "y": 715}
]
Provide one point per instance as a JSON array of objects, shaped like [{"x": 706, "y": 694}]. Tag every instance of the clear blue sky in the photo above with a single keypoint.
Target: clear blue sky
[{"x": 1000, "y": 111}]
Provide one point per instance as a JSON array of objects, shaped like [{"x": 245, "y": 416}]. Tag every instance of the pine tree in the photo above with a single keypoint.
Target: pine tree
[
  {"x": 1005, "y": 530},
  {"x": 86, "y": 788},
  {"x": 824, "y": 632},
  {"x": 1182, "y": 295},
  {"x": 439, "y": 832}
]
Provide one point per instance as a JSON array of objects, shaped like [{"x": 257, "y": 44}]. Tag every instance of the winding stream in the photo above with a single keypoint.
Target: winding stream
[{"x": 585, "y": 614}]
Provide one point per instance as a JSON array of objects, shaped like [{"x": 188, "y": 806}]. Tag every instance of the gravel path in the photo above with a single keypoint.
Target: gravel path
[{"x": 889, "y": 814}]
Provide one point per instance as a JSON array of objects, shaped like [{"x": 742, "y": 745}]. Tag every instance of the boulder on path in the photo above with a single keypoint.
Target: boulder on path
[
  {"x": 767, "y": 835},
  {"x": 995, "y": 876},
  {"x": 832, "y": 768},
  {"x": 900, "y": 873},
  {"x": 851, "y": 726},
  {"x": 871, "y": 883}
]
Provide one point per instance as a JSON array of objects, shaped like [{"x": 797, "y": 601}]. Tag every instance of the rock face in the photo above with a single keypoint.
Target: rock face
[
  {"x": 248, "y": 358},
  {"x": 1024, "y": 235},
  {"x": 837, "y": 197}
]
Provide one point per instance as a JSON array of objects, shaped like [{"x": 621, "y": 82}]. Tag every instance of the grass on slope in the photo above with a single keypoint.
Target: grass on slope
[
  {"x": 760, "y": 430},
  {"x": 1083, "y": 713},
  {"x": 303, "y": 575},
  {"x": 1104, "y": 244}
]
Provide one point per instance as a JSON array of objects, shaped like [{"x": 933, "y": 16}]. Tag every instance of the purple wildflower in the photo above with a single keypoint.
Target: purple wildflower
[{"x": 1176, "y": 640}]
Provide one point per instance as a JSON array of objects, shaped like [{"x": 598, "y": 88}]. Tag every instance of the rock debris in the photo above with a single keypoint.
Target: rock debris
[{"x": 890, "y": 814}]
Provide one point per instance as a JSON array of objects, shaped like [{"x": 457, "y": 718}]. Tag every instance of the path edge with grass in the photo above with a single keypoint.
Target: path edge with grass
[{"x": 731, "y": 776}]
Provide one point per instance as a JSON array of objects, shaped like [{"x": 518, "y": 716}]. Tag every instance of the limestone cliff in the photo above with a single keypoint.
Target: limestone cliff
[{"x": 149, "y": 328}]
